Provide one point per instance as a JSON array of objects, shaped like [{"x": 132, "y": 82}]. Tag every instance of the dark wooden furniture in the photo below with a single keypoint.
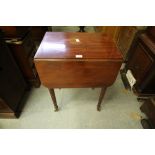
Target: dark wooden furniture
[
  {"x": 38, "y": 32},
  {"x": 12, "y": 84},
  {"x": 142, "y": 64},
  {"x": 126, "y": 36},
  {"x": 22, "y": 46},
  {"x": 151, "y": 32},
  {"x": 23, "y": 52},
  {"x": 73, "y": 60},
  {"x": 148, "y": 107},
  {"x": 14, "y": 32},
  {"x": 112, "y": 31}
]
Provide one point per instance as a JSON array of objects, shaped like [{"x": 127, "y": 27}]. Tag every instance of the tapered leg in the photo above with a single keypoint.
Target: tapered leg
[
  {"x": 103, "y": 90},
  {"x": 54, "y": 99}
]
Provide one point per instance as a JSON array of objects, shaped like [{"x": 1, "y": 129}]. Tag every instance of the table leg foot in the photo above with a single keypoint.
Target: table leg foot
[
  {"x": 52, "y": 93},
  {"x": 98, "y": 108},
  {"x": 56, "y": 109},
  {"x": 103, "y": 90}
]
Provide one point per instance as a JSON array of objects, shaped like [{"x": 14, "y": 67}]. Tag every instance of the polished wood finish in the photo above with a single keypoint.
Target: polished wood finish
[
  {"x": 61, "y": 45},
  {"x": 12, "y": 84},
  {"x": 59, "y": 66},
  {"x": 74, "y": 73}
]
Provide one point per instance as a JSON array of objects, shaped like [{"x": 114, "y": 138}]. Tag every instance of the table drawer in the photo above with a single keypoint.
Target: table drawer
[{"x": 73, "y": 73}]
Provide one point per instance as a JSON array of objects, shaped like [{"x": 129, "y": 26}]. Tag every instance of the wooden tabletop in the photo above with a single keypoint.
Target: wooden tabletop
[{"x": 67, "y": 45}]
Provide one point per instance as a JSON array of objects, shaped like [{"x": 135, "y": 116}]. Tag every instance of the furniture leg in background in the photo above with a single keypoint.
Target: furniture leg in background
[{"x": 82, "y": 29}]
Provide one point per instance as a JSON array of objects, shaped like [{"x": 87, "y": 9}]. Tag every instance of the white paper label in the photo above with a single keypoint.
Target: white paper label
[
  {"x": 130, "y": 78},
  {"x": 79, "y": 56},
  {"x": 77, "y": 40}
]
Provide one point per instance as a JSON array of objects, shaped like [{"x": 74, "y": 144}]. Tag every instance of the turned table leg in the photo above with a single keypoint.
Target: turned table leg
[
  {"x": 54, "y": 99},
  {"x": 103, "y": 89}
]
